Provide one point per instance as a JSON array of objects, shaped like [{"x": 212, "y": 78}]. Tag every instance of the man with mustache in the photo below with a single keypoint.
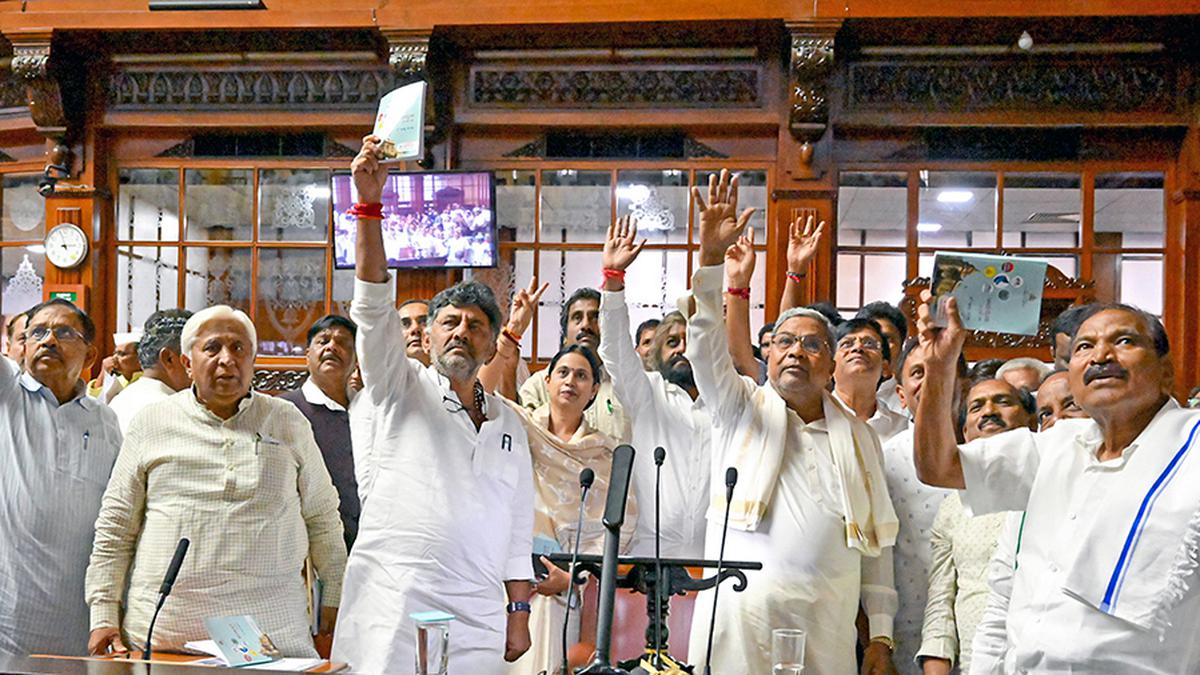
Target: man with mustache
[
  {"x": 324, "y": 399},
  {"x": 962, "y": 545},
  {"x": 863, "y": 352},
  {"x": 163, "y": 372},
  {"x": 1055, "y": 401},
  {"x": 580, "y": 324},
  {"x": 447, "y": 513},
  {"x": 643, "y": 339},
  {"x": 1104, "y": 579},
  {"x": 57, "y": 447},
  {"x": 120, "y": 369},
  {"x": 810, "y": 503},
  {"x": 15, "y": 333},
  {"x": 414, "y": 317}
]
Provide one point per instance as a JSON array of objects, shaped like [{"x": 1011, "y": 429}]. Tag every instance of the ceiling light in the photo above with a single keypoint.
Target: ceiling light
[
  {"x": 929, "y": 227},
  {"x": 955, "y": 196}
]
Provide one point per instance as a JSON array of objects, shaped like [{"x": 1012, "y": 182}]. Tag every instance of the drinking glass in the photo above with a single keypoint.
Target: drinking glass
[
  {"x": 787, "y": 651},
  {"x": 433, "y": 647}
]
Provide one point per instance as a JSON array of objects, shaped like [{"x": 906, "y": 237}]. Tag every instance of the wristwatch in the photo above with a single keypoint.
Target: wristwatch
[{"x": 514, "y": 607}]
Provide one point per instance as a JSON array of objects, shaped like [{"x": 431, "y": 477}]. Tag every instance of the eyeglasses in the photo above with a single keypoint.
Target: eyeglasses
[
  {"x": 813, "y": 344},
  {"x": 61, "y": 333},
  {"x": 866, "y": 342}
]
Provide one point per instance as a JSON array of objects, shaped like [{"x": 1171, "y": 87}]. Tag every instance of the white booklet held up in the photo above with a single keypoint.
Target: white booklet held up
[{"x": 400, "y": 123}]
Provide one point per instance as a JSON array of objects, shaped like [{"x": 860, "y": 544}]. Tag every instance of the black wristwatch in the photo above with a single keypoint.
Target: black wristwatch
[{"x": 514, "y": 607}]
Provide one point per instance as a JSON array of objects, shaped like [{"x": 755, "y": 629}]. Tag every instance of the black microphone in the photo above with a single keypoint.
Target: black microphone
[
  {"x": 168, "y": 583},
  {"x": 614, "y": 517},
  {"x": 586, "y": 478},
  {"x": 660, "y": 456},
  {"x": 731, "y": 476}
]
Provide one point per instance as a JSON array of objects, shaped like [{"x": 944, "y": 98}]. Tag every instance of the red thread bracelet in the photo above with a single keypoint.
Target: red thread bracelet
[
  {"x": 513, "y": 337},
  {"x": 610, "y": 273},
  {"x": 365, "y": 210},
  {"x": 743, "y": 293},
  {"x": 796, "y": 277}
]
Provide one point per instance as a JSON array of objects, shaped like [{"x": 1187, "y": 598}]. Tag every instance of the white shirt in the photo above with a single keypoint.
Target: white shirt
[
  {"x": 662, "y": 414},
  {"x": 916, "y": 506},
  {"x": 54, "y": 463},
  {"x": 991, "y": 635},
  {"x": 313, "y": 394},
  {"x": 1048, "y": 630},
  {"x": 885, "y": 421},
  {"x": 137, "y": 395},
  {"x": 448, "y": 513}
]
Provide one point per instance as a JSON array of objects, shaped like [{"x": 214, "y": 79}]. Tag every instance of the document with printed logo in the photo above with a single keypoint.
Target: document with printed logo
[
  {"x": 1001, "y": 294},
  {"x": 400, "y": 123}
]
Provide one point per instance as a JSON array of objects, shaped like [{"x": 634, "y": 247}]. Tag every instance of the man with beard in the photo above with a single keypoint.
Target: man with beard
[
  {"x": 962, "y": 545},
  {"x": 447, "y": 519},
  {"x": 664, "y": 408},
  {"x": 57, "y": 448},
  {"x": 323, "y": 399},
  {"x": 414, "y": 315},
  {"x": 863, "y": 352},
  {"x": 580, "y": 324},
  {"x": 1105, "y": 576}
]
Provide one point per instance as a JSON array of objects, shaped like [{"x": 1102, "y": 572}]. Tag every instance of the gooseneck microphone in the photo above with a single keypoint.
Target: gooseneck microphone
[
  {"x": 660, "y": 456},
  {"x": 614, "y": 517},
  {"x": 731, "y": 476},
  {"x": 586, "y": 478},
  {"x": 163, "y": 591}
]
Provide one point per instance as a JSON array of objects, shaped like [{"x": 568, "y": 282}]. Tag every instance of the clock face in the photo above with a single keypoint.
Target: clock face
[{"x": 66, "y": 246}]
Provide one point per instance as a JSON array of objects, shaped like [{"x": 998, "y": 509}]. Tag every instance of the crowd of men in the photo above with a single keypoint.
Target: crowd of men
[{"x": 912, "y": 514}]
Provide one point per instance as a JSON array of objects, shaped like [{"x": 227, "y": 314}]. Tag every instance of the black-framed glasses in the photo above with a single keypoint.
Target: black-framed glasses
[{"x": 61, "y": 333}]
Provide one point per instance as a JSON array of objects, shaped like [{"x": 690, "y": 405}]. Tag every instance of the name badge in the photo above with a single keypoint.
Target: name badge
[{"x": 506, "y": 442}]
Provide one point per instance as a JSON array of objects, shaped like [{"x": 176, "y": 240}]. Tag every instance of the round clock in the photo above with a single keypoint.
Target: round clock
[{"x": 66, "y": 246}]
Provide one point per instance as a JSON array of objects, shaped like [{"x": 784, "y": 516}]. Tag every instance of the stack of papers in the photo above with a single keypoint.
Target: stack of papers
[{"x": 290, "y": 665}]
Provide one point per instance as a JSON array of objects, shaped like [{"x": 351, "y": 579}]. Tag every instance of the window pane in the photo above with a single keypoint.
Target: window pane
[
  {"x": 849, "y": 280},
  {"x": 957, "y": 209},
  {"x": 752, "y": 191},
  {"x": 565, "y": 271},
  {"x": 218, "y": 204},
  {"x": 24, "y": 214},
  {"x": 217, "y": 276},
  {"x": 1142, "y": 282},
  {"x": 147, "y": 281},
  {"x": 22, "y": 276},
  {"x": 515, "y": 205},
  {"x": 872, "y": 208},
  {"x": 884, "y": 279},
  {"x": 658, "y": 200},
  {"x": 148, "y": 205},
  {"x": 293, "y": 204},
  {"x": 291, "y": 297},
  {"x": 1041, "y": 209},
  {"x": 1129, "y": 210},
  {"x": 576, "y": 206},
  {"x": 513, "y": 270},
  {"x": 343, "y": 292},
  {"x": 1067, "y": 264}
]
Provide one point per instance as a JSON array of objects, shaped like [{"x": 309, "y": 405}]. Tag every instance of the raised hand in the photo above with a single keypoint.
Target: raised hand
[
  {"x": 368, "y": 174},
  {"x": 720, "y": 224},
  {"x": 524, "y": 305},
  {"x": 941, "y": 345},
  {"x": 739, "y": 261},
  {"x": 621, "y": 247},
  {"x": 803, "y": 240}
]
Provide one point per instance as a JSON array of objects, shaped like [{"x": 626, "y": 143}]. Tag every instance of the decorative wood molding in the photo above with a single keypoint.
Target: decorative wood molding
[
  {"x": 278, "y": 380},
  {"x": 31, "y": 67},
  {"x": 5, "y": 157},
  {"x": 12, "y": 93},
  {"x": 615, "y": 86},
  {"x": 810, "y": 67},
  {"x": 311, "y": 88},
  {"x": 1025, "y": 84},
  {"x": 31, "y": 56},
  {"x": 187, "y": 148},
  {"x": 408, "y": 52}
]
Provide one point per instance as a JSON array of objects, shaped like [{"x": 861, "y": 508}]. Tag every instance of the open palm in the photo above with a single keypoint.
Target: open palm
[
  {"x": 621, "y": 247},
  {"x": 803, "y": 240},
  {"x": 739, "y": 261},
  {"x": 720, "y": 223}
]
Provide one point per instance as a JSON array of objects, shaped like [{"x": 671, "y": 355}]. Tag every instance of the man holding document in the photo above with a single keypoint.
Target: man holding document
[{"x": 1105, "y": 575}]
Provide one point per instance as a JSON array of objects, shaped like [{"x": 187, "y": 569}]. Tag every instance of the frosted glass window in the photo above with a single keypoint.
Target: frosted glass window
[
  {"x": 513, "y": 270},
  {"x": 294, "y": 204},
  {"x": 1068, "y": 265},
  {"x": 218, "y": 204},
  {"x": 957, "y": 209},
  {"x": 290, "y": 298},
  {"x": 22, "y": 278},
  {"x": 217, "y": 276},
  {"x": 576, "y": 206},
  {"x": 658, "y": 200},
  {"x": 148, "y": 205},
  {"x": 147, "y": 281},
  {"x": 752, "y": 191},
  {"x": 1042, "y": 203},
  {"x": 849, "y": 280},
  {"x": 516, "y": 195},
  {"x": 1142, "y": 283},
  {"x": 1130, "y": 210},
  {"x": 24, "y": 213},
  {"x": 342, "y": 292},
  {"x": 875, "y": 202},
  {"x": 884, "y": 279},
  {"x": 565, "y": 271}
]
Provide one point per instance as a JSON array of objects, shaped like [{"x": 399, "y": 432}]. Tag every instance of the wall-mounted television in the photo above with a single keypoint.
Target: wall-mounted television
[{"x": 435, "y": 219}]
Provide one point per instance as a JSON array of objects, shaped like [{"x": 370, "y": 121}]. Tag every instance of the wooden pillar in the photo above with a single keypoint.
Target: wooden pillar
[{"x": 1181, "y": 270}]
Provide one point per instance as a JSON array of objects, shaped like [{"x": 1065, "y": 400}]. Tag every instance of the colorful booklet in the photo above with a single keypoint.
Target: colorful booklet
[
  {"x": 241, "y": 641},
  {"x": 996, "y": 293},
  {"x": 400, "y": 123}
]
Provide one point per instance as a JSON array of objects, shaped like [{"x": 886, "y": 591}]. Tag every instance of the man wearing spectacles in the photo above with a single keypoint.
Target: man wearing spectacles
[
  {"x": 863, "y": 353},
  {"x": 57, "y": 449}
]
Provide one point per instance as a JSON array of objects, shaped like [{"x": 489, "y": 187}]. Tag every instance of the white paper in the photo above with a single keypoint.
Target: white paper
[
  {"x": 289, "y": 665},
  {"x": 400, "y": 123}
]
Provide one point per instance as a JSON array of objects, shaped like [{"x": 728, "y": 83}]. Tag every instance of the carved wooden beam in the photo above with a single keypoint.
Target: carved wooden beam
[
  {"x": 407, "y": 52},
  {"x": 809, "y": 72},
  {"x": 31, "y": 66}
]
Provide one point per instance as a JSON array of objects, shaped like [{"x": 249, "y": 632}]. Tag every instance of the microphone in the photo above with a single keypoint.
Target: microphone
[
  {"x": 660, "y": 456},
  {"x": 614, "y": 517},
  {"x": 168, "y": 583},
  {"x": 731, "y": 476},
  {"x": 586, "y": 478}
]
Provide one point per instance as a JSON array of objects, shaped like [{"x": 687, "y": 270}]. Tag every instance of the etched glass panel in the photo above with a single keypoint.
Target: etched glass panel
[
  {"x": 147, "y": 281},
  {"x": 148, "y": 205},
  {"x": 293, "y": 205},
  {"x": 218, "y": 204},
  {"x": 290, "y": 298},
  {"x": 217, "y": 276},
  {"x": 24, "y": 212}
]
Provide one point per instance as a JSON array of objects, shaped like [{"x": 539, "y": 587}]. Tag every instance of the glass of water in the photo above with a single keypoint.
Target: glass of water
[
  {"x": 787, "y": 651},
  {"x": 433, "y": 647}
]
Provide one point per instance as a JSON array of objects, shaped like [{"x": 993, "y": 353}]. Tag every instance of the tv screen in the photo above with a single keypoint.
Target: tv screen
[{"x": 433, "y": 219}]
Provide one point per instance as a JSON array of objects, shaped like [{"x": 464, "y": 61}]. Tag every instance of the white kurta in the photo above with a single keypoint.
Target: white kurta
[
  {"x": 137, "y": 395},
  {"x": 447, "y": 511},
  {"x": 991, "y": 635},
  {"x": 1057, "y": 476},
  {"x": 662, "y": 414},
  {"x": 916, "y": 506}
]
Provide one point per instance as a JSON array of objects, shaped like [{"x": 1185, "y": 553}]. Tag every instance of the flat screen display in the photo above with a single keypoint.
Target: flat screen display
[{"x": 436, "y": 219}]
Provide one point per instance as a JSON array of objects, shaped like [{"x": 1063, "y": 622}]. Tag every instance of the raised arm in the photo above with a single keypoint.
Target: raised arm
[
  {"x": 935, "y": 447},
  {"x": 500, "y": 374},
  {"x": 616, "y": 349},
  {"x": 939, "y": 634},
  {"x": 739, "y": 270},
  {"x": 803, "y": 241},
  {"x": 708, "y": 345}
]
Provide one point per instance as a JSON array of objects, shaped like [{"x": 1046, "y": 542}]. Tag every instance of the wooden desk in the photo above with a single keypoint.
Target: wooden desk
[{"x": 161, "y": 664}]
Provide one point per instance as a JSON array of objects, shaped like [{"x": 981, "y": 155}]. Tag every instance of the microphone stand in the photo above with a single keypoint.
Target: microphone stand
[
  {"x": 586, "y": 477},
  {"x": 165, "y": 590},
  {"x": 730, "y": 481},
  {"x": 614, "y": 517},
  {"x": 660, "y": 455}
]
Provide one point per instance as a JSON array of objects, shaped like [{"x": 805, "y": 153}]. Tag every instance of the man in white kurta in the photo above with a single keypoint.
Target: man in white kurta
[
  {"x": 163, "y": 372},
  {"x": 1105, "y": 576}
]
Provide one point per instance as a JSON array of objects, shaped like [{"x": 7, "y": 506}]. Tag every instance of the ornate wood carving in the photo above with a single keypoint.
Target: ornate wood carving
[
  {"x": 1019, "y": 85},
  {"x": 5, "y": 157},
  {"x": 187, "y": 148},
  {"x": 407, "y": 53},
  {"x": 31, "y": 67},
  {"x": 809, "y": 72},
  {"x": 12, "y": 92},
  {"x": 281, "y": 380},
  {"x": 616, "y": 86},
  {"x": 168, "y": 88}
]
